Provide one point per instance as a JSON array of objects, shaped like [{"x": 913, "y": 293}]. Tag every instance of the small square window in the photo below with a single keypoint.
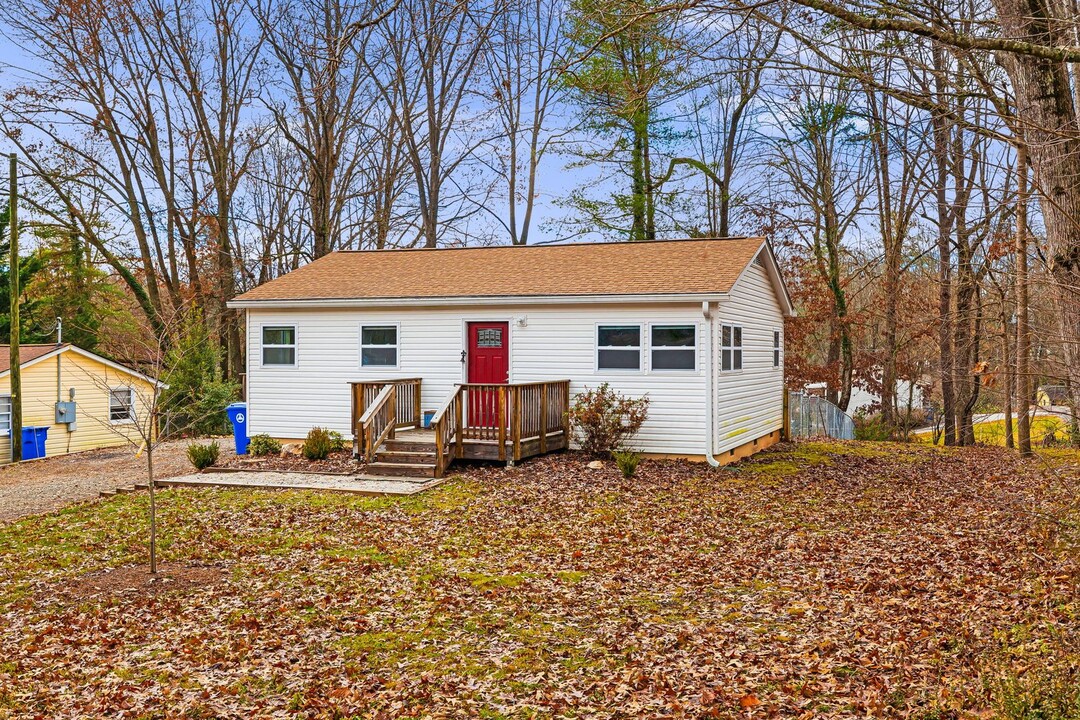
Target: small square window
[
  {"x": 279, "y": 345},
  {"x": 731, "y": 350},
  {"x": 5, "y": 415},
  {"x": 618, "y": 347},
  {"x": 674, "y": 347},
  {"x": 122, "y": 405},
  {"x": 379, "y": 346}
]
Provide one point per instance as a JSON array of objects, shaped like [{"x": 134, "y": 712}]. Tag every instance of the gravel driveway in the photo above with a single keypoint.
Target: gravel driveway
[{"x": 43, "y": 485}]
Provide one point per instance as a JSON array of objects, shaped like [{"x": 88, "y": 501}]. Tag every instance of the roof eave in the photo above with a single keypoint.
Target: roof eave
[{"x": 300, "y": 303}]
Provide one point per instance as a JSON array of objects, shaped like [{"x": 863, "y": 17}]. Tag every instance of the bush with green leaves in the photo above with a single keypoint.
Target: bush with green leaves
[
  {"x": 628, "y": 461},
  {"x": 262, "y": 444},
  {"x": 337, "y": 441},
  {"x": 872, "y": 427},
  {"x": 203, "y": 455},
  {"x": 318, "y": 445},
  {"x": 194, "y": 403},
  {"x": 604, "y": 419}
]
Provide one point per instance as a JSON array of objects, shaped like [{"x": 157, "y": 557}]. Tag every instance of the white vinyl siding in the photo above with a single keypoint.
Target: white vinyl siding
[
  {"x": 750, "y": 403},
  {"x": 549, "y": 343}
]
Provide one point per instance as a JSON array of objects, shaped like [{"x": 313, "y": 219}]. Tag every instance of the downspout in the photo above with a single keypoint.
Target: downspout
[{"x": 706, "y": 310}]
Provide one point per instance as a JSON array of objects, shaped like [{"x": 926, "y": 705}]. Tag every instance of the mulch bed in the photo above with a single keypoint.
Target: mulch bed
[
  {"x": 340, "y": 463},
  {"x": 170, "y": 577}
]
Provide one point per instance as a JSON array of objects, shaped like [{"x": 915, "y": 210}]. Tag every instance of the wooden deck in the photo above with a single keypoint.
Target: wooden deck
[{"x": 505, "y": 423}]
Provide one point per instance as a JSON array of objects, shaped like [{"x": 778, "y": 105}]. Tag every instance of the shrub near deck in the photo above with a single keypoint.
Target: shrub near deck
[{"x": 862, "y": 580}]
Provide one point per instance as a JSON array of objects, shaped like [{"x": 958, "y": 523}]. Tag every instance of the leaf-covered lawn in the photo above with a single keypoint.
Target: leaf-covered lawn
[{"x": 813, "y": 581}]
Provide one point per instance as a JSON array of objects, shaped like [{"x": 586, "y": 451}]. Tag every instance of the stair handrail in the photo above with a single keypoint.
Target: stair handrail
[
  {"x": 447, "y": 425},
  {"x": 378, "y": 421}
]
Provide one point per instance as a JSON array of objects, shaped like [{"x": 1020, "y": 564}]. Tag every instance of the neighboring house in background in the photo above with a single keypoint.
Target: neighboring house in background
[
  {"x": 908, "y": 397},
  {"x": 108, "y": 398},
  {"x": 697, "y": 325}
]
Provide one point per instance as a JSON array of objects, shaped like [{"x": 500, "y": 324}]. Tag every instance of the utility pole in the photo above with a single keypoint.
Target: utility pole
[{"x": 13, "y": 272}]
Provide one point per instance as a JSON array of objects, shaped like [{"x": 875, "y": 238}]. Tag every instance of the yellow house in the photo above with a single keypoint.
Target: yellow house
[{"x": 86, "y": 401}]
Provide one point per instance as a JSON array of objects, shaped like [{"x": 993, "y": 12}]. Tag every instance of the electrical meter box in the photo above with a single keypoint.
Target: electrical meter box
[{"x": 65, "y": 412}]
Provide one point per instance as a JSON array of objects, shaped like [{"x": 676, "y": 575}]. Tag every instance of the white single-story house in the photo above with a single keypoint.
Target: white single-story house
[{"x": 697, "y": 325}]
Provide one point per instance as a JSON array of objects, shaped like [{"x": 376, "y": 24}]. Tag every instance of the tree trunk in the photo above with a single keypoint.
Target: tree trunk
[
  {"x": 944, "y": 223},
  {"x": 153, "y": 504},
  {"x": 1044, "y": 102}
]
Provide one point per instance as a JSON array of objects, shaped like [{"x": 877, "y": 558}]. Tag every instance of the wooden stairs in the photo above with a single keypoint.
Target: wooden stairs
[{"x": 405, "y": 458}]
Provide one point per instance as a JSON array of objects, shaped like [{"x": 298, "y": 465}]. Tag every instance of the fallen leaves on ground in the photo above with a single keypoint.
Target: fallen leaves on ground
[{"x": 815, "y": 580}]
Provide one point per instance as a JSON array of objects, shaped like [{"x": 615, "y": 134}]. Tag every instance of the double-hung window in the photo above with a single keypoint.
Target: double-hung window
[
  {"x": 279, "y": 345},
  {"x": 776, "y": 348},
  {"x": 730, "y": 348},
  {"x": 5, "y": 415},
  {"x": 673, "y": 347},
  {"x": 122, "y": 405},
  {"x": 379, "y": 346},
  {"x": 618, "y": 347}
]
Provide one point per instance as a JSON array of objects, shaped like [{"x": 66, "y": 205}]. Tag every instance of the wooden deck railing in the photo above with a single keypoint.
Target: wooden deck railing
[
  {"x": 406, "y": 410},
  {"x": 378, "y": 421},
  {"x": 447, "y": 423},
  {"x": 517, "y": 419}
]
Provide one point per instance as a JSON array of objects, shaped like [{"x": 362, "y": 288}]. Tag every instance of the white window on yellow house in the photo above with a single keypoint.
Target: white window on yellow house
[
  {"x": 122, "y": 405},
  {"x": 5, "y": 415}
]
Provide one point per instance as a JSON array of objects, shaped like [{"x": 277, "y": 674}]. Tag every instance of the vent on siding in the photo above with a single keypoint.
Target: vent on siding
[{"x": 758, "y": 260}]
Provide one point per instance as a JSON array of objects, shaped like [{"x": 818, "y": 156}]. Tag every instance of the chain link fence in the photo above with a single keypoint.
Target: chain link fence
[{"x": 812, "y": 416}]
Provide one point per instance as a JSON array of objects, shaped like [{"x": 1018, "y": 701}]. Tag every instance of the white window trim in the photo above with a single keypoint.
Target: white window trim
[
  {"x": 741, "y": 347},
  {"x": 641, "y": 346},
  {"x": 6, "y": 432},
  {"x": 778, "y": 349},
  {"x": 295, "y": 346},
  {"x": 696, "y": 348},
  {"x": 130, "y": 419},
  {"x": 396, "y": 346}
]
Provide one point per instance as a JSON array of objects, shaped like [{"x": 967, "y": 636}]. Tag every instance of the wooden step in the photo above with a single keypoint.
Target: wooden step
[
  {"x": 419, "y": 446},
  {"x": 401, "y": 456},
  {"x": 400, "y": 469}
]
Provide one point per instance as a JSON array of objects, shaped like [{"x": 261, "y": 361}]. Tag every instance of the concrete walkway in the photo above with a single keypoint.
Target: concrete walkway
[{"x": 356, "y": 485}]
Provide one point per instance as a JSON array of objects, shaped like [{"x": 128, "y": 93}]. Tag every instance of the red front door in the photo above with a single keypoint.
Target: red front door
[
  {"x": 489, "y": 352},
  {"x": 489, "y": 363}
]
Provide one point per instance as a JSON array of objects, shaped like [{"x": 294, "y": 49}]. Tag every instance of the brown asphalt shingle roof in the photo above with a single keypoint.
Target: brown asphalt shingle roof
[
  {"x": 647, "y": 268},
  {"x": 26, "y": 354}
]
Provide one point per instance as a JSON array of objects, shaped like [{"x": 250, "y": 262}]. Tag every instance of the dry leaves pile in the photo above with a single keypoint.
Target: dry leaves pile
[{"x": 814, "y": 581}]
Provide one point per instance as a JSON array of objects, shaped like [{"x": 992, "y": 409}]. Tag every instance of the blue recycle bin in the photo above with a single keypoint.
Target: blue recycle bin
[
  {"x": 237, "y": 413},
  {"x": 33, "y": 442}
]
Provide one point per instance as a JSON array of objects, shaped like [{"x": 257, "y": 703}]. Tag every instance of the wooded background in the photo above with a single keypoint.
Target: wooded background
[{"x": 917, "y": 164}]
